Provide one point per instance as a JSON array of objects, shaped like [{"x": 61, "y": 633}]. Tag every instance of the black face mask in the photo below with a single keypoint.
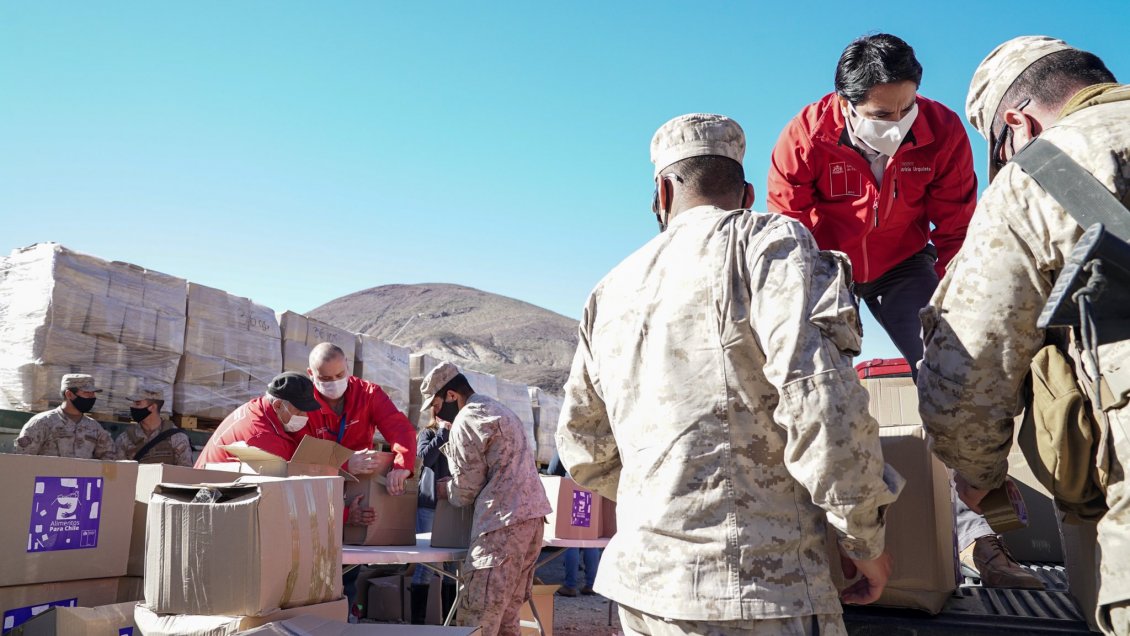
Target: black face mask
[
  {"x": 448, "y": 411},
  {"x": 137, "y": 414},
  {"x": 82, "y": 404}
]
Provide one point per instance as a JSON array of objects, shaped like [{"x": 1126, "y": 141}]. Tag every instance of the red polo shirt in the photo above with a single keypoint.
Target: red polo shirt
[
  {"x": 367, "y": 410},
  {"x": 255, "y": 423}
]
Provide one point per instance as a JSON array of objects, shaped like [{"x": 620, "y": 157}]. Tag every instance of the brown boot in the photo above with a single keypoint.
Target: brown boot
[{"x": 990, "y": 558}]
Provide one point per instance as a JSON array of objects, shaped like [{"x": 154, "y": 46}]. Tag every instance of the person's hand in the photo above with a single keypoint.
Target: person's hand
[
  {"x": 873, "y": 575},
  {"x": 395, "y": 479},
  {"x": 363, "y": 462},
  {"x": 967, "y": 493},
  {"x": 358, "y": 515},
  {"x": 443, "y": 488}
]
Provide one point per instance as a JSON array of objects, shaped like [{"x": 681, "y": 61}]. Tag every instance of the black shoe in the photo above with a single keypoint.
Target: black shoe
[
  {"x": 419, "y": 598},
  {"x": 588, "y": 591}
]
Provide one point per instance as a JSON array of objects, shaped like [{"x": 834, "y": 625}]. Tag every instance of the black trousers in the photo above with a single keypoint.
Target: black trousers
[{"x": 896, "y": 297}]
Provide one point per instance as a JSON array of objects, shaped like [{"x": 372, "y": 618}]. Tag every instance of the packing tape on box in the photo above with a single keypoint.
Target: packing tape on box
[
  {"x": 326, "y": 559},
  {"x": 295, "y": 549},
  {"x": 1004, "y": 508}
]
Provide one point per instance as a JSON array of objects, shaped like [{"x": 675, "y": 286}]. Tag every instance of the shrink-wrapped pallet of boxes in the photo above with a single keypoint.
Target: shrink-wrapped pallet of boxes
[
  {"x": 232, "y": 350},
  {"x": 300, "y": 334},
  {"x": 516, "y": 397},
  {"x": 547, "y": 409},
  {"x": 63, "y": 312},
  {"x": 385, "y": 365}
]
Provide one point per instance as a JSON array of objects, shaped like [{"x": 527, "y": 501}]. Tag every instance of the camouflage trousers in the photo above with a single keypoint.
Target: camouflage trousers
[
  {"x": 493, "y": 596},
  {"x": 1114, "y": 533},
  {"x": 636, "y": 623}
]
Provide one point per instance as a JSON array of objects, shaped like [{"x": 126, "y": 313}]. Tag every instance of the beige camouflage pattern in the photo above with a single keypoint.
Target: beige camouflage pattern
[
  {"x": 712, "y": 395},
  {"x": 635, "y": 623},
  {"x": 696, "y": 135},
  {"x": 493, "y": 597},
  {"x": 492, "y": 468},
  {"x": 980, "y": 328},
  {"x": 54, "y": 433},
  {"x": 176, "y": 449},
  {"x": 78, "y": 382},
  {"x": 996, "y": 73}
]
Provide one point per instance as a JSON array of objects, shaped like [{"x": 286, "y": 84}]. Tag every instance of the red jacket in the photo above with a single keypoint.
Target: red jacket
[
  {"x": 817, "y": 177},
  {"x": 367, "y": 410},
  {"x": 255, "y": 423}
]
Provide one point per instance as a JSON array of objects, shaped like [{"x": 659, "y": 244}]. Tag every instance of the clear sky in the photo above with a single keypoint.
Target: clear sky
[{"x": 295, "y": 152}]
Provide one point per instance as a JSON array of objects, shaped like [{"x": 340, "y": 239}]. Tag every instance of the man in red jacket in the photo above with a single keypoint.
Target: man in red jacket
[
  {"x": 885, "y": 175},
  {"x": 271, "y": 422},
  {"x": 352, "y": 410}
]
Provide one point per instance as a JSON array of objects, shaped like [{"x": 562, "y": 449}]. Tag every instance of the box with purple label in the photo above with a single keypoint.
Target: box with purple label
[
  {"x": 65, "y": 513},
  {"x": 15, "y": 617},
  {"x": 70, "y": 519},
  {"x": 582, "y": 509},
  {"x": 576, "y": 511}
]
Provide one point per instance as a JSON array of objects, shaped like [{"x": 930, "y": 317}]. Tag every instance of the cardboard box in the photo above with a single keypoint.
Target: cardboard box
[
  {"x": 919, "y": 526},
  {"x": 547, "y": 410},
  {"x": 451, "y": 527},
  {"x": 385, "y": 365},
  {"x": 576, "y": 511},
  {"x": 1040, "y": 541},
  {"x": 607, "y": 518},
  {"x": 1081, "y": 556},
  {"x": 107, "y": 620},
  {"x": 152, "y": 624},
  {"x": 66, "y": 518},
  {"x": 148, "y": 477},
  {"x": 131, "y": 589},
  {"x": 396, "y": 515},
  {"x": 314, "y": 626},
  {"x": 267, "y": 544},
  {"x": 20, "y": 603},
  {"x": 893, "y": 401},
  {"x": 543, "y": 600},
  {"x": 313, "y": 458},
  {"x": 388, "y": 599}
]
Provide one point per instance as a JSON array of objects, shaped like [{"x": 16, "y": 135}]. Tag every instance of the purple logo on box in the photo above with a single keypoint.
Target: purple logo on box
[
  {"x": 125, "y": 631},
  {"x": 582, "y": 509},
  {"x": 65, "y": 512},
  {"x": 15, "y": 618}
]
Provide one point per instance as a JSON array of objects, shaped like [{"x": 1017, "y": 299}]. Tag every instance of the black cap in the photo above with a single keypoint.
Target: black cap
[{"x": 295, "y": 388}]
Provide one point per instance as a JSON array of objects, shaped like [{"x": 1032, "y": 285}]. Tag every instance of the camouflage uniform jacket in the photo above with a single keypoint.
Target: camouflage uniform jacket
[
  {"x": 980, "y": 327},
  {"x": 54, "y": 433},
  {"x": 712, "y": 395},
  {"x": 493, "y": 468},
  {"x": 175, "y": 449}
]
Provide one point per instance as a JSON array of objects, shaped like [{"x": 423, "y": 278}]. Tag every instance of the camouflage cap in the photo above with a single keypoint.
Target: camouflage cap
[
  {"x": 78, "y": 382},
  {"x": 696, "y": 135},
  {"x": 434, "y": 382},
  {"x": 147, "y": 392},
  {"x": 996, "y": 74}
]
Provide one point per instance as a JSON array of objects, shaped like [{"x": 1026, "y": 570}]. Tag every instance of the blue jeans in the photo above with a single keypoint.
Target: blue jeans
[
  {"x": 573, "y": 560},
  {"x": 425, "y": 517}
]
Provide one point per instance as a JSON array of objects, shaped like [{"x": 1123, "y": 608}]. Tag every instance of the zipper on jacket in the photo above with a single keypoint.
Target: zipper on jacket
[
  {"x": 875, "y": 212},
  {"x": 896, "y": 186}
]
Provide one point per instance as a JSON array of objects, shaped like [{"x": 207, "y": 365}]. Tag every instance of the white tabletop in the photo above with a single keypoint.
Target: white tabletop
[
  {"x": 575, "y": 543},
  {"x": 422, "y": 552}
]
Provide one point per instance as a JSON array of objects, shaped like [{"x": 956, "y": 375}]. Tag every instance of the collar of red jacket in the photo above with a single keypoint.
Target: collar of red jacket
[{"x": 830, "y": 122}]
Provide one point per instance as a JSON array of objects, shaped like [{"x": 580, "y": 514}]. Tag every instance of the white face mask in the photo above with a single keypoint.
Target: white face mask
[
  {"x": 296, "y": 423},
  {"x": 332, "y": 390},
  {"x": 883, "y": 136}
]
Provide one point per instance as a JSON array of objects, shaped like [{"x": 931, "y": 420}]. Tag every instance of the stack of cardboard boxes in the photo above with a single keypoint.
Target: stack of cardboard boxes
[
  {"x": 516, "y": 397},
  {"x": 385, "y": 365},
  {"x": 232, "y": 349},
  {"x": 66, "y": 312},
  {"x": 68, "y": 535},
  {"x": 547, "y": 410},
  {"x": 300, "y": 334}
]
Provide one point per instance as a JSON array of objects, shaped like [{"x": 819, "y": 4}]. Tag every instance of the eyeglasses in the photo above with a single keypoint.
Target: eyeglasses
[{"x": 1006, "y": 134}]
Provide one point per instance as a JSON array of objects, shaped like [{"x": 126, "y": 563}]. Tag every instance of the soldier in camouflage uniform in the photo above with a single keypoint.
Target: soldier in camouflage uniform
[
  {"x": 980, "y": 328},
  {"x": 172, "y": 447},
  {"x": 493, "y": 469},
  {"x": 67, "y": 431},
  {"x": 713, "y": 396}
]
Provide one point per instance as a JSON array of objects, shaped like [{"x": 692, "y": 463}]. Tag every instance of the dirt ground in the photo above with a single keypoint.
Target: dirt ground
[{"x": 583, "y": 615}]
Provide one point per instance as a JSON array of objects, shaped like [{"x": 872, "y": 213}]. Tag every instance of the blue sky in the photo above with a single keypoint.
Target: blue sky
[{"x": 296, "y": 152}]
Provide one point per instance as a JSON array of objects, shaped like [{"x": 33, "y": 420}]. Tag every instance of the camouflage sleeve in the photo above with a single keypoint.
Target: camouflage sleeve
[
  {"x": 182, "y": 449},
  {"x": 121, "y": 445},
  {"x": 833, "y": 443},
  {"x": 584, "y": 433},
  {"x": 104, "y": 448},
  {"x": 980, "y": 336},
  {"x": 30, "y": 439},
  {"x": 466, "y": 457}
]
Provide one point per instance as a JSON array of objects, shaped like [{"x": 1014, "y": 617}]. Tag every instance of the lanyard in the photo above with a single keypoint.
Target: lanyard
[{"x": 341, "y": 428}]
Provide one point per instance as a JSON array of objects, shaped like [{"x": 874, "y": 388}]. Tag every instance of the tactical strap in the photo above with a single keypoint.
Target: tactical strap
[
  {"x": 162, "y": 436},
  {"x": 1073, "y": 187}
]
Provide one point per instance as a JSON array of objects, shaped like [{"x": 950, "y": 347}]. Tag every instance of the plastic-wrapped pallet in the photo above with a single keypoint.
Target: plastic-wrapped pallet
[
  {"x": 301, "y": 333},
  {"x": 63, "y": 312},
  {"x": 547, "y": 410},
  {"x": 232, "y": 349},
  {"x": 516, "y": 397},
  {"x": 386, "y": 365}
]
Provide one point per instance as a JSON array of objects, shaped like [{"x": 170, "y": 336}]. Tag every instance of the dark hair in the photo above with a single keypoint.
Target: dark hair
[
  {"x": 872, "y": 60},
  {"x": 160, "y": 404},
  {"x": 1051, "y": 80},
  {"x": 711, "y": 175},
  {"x": 459, "y": 384}
]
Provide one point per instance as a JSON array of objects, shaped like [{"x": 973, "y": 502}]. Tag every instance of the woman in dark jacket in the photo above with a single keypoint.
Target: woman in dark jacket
[{"x": 428, "y": 443}]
